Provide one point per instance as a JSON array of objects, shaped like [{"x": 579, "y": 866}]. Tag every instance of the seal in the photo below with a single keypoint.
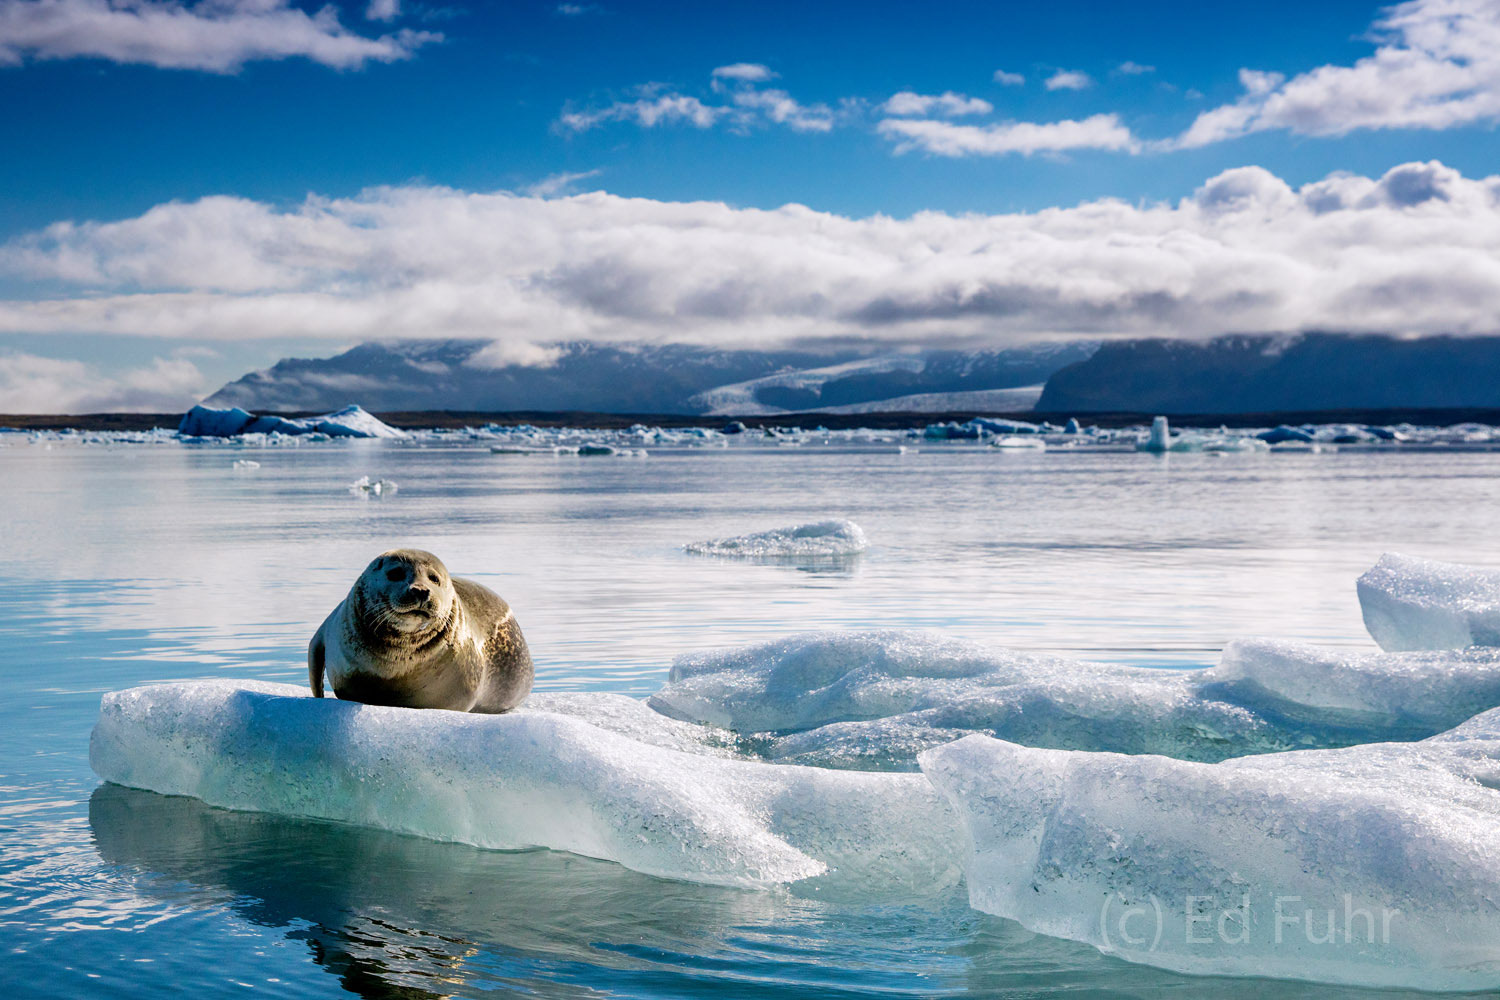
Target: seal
[{"x": 411, "y": 635}]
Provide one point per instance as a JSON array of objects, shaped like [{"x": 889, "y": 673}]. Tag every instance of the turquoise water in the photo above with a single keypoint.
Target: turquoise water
[{"x": 132, "y": 564}]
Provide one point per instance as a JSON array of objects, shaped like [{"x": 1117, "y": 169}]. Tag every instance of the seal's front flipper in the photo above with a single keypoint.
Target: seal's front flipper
[{"x": 315, "y": 664}]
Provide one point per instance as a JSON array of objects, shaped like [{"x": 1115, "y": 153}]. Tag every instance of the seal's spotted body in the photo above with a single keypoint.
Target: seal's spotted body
[{"x": 410, "y": 635}]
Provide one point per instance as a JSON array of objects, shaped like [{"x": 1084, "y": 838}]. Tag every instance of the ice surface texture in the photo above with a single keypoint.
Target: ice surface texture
[
  {"x": 1421, "y": 604},
  {"x": 351, "y": 421},
  {"x": 1376, "y": 865},
  {"x": 876, "y": 699},
  {"x": 820, "y": 539},
  {"x": 527, "y": 779}
]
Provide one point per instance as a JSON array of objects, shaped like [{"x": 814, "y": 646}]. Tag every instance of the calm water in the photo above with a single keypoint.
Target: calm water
[{"x": 131, "y": 564}]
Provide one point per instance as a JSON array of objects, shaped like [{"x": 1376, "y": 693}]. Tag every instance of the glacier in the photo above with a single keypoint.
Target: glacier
[
  {"x": 820, "y": 539},
  {"x": 527, "y": 779},
  {"x": 1375, "y": 865},
  {"x": 1411, "y": 603}
]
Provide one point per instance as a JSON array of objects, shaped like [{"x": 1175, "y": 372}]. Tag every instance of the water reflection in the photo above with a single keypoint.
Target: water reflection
[
  {"x": 400, "y": 918},
  {"x": 395, "y": 916}
]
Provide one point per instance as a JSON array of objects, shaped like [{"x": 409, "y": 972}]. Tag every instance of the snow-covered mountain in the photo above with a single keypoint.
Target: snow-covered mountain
[
  {"x": 1267, "y": 374},
  {"x": 665, "y": 379}
]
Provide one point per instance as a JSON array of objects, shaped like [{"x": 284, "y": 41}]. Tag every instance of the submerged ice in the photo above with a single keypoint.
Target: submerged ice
[
  {"x": 819, "y": 539},
  {"x": 1413, "y": 603}
]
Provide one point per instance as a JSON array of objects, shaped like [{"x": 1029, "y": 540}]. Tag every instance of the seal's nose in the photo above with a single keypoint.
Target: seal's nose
[{"x": 418, "y": 594}]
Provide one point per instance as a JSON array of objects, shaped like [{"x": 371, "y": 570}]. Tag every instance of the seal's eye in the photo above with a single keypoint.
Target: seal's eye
[
  {"x": 434, "y": 578},
  {"x": 395, "y": 574}
]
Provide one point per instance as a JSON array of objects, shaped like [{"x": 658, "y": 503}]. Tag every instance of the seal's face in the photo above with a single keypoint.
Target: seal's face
[{"x": 407, "y": 590}]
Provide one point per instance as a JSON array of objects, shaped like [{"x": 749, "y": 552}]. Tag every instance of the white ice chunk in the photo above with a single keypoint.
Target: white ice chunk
[
  {"x": 353, "y": 421},
  {"x": 525, "y": 779},
  {"x": 1413, "y": 603},
  {"x": 1375, "y": 865},
  {"x": 820, "y": 539},
  {"x": 366, "y": 486},
  {"x": 1385, "y": 693},
  {"x": 876, "y": 699},
  {"x": 632, "y": 717}
]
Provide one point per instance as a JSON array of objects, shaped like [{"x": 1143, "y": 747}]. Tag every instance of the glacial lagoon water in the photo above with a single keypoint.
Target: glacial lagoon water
[{"x": 128, "y": 564}]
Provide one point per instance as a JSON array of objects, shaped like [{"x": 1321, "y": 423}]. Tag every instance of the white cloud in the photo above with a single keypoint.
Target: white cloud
[
  {"x": 575, "y": 9},
  {"x": 1068, "y": 79},
  {"x": 1009, "y": 79},
  {"x": 748, "y": 105},
  {"x": 33, "y": 384},
  {"x": 383, "y": 10},
  {"x": 648, "y": 112},
  {"x": 948, "y": 139},
  {"x": 1417, "y": 250},
  {"x": 1131, "y": 68},
  {"x": 744, "y": 73},
  {"x": 946, "y": 105},
  {"x": 214, "y": 35},
  {"x": 556, "y": 184},
  {"x": 1437, "y": 66},
  {"x": 778, "y": 106}
]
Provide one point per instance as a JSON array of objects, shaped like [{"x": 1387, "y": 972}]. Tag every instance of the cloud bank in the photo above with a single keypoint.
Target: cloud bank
[
  {"x": 33, "y": 384},
  {"x": 1414, "y": 251},
  {"x": 218, "y": 36}
]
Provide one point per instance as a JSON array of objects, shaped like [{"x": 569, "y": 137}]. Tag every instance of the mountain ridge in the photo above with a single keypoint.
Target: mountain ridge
[{"x": 665, "y": 379}]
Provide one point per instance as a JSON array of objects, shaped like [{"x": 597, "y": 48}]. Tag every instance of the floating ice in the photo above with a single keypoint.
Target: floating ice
[
  {"x": 632, "y": 717},
  {"x": 820, "y": 539},
  {"x": 1349, "y": 695},
  {"x": 246, "y": 463},
  {"x": 876, "y": 699},
  {"x": 1374, "y": 865},
  {"x": 351, "y": 421},
  {"x": 1421, "y": 604},
  {"x": 526, "y": 779},
  {"x": 1282, "y": 434},
  {"x": 204, "y": 421},
  {"x": 1017, "y": 441},
  {"x": 365, "y": 486}
]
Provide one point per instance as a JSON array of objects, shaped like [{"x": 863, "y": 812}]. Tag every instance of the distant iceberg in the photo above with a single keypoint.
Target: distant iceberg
[
  {"x": 1374, "y": 865},
  {"x": 351, "y": 421},
  {"x": 1413, "y": 603},
  {"x": 1159, "y": 439},
  {"x": 819, "y": 539}
]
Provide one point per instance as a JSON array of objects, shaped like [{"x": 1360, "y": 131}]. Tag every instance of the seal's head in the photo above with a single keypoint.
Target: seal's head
[{"x": 406, "y": 591}]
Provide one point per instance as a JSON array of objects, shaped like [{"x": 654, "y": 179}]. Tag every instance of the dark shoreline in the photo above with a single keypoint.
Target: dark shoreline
[{"x": 452, "y": 419}]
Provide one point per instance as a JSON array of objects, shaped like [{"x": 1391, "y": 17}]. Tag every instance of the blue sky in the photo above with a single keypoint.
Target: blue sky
[{"x": 328, "y": 145}]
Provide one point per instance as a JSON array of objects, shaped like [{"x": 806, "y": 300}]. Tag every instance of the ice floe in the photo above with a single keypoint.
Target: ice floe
[
  {"x": 824, "y": 539},
  {"x": 527, "y": 779},
  {"x": 1413, "y": 603},
  {"x": 876, "y": 699},
  {"x": 1376, "y": 865}
]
